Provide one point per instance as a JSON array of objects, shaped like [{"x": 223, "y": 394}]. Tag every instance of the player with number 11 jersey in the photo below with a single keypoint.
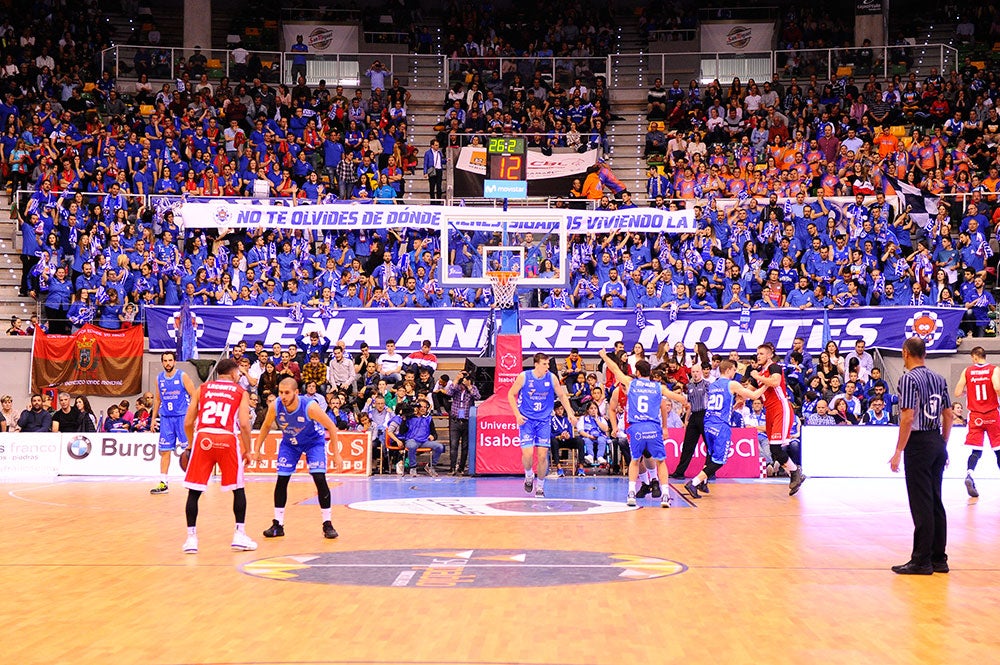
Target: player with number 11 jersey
[{"x": 982, "y": 382}]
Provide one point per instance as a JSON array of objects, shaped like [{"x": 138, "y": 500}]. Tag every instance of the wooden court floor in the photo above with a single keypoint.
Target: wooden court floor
[{"x": 92, "y": 572}]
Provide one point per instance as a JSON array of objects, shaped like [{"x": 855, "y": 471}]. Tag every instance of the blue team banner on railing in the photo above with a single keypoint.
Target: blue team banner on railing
[{"x": 463, "y": 331}]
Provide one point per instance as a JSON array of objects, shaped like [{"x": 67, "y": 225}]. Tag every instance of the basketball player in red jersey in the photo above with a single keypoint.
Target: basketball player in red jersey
[
  {"x": 982, "y": 380},
  {"x": 218, "y": 426},
  {"x": 778, "y": 412}
]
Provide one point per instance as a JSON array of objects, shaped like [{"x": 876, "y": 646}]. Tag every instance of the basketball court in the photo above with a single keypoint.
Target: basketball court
[{"x": 474, "y": 571}]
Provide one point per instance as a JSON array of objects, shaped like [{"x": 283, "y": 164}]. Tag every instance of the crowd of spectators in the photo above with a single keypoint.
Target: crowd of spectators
[
  {"x": 806, "y": 142},
  {"x": 668, "y": 21},
  {"x": 73, "y": 413},
  {"x": 516, "y": 73},
  {"x": 549, "y": 114}
]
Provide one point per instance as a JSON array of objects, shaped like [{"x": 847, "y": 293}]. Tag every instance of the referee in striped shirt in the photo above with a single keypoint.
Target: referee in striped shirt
[{"x": 925, "y": 418}]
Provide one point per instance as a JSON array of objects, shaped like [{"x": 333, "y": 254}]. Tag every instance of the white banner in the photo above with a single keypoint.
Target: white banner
[
  {"x": 350, "y": 216},
  {"x": 322, "y": 37},
  {"x": 854, "y": 451},
  {"x": 28, "y": 456},
  {"x": 540, "y": 167},
  {"x": 736, "y": 37},
  {"x": 110, "y": 454},
  {"x": 135, "y": 454}
]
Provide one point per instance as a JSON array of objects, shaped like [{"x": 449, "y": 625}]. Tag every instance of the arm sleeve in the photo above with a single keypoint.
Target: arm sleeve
[{"x": 907, "y": 393}]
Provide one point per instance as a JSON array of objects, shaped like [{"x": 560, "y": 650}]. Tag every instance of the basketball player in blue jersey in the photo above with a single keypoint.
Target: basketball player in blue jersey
[
  {"x": 174, "y": 390},
  {"x": 718, "y": 434},
  {"x": 301, "y": 420},
  {"x": 646, "y": 415},
  {"x": 531, "y": 398}
]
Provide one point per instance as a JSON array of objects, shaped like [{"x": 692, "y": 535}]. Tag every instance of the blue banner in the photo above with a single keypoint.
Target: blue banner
[{"x": 463, "y": 331}]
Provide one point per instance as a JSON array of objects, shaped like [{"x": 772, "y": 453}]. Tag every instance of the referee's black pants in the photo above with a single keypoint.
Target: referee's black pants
[
  {"x": 694, "y": 430},
  {"x": 924, "y": 459}
]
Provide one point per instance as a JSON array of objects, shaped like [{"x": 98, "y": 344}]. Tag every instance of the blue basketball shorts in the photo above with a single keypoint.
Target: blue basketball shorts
[
  {"x": 536, "y": 433},
  {"x": 646, "y": 436},
  {"x": 289, "y": 454},
  {"x": 172, "y": 434},
  {"x": 718, "y": 442}
]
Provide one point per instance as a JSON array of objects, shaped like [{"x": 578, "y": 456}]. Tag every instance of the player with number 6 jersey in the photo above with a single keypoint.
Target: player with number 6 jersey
[
  {"x": 982, "y": 382},
  {"x": 646, "y": 415}
]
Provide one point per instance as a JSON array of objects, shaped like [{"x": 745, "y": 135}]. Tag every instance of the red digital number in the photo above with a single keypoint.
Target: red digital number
[{"x": 510, "y": 167}]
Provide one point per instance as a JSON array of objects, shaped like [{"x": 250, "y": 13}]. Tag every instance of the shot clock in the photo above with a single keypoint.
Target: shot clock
[{"x": 506, "y": 168}]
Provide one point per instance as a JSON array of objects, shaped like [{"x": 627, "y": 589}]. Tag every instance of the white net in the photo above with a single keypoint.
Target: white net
[{"x": 503, "y": 284}]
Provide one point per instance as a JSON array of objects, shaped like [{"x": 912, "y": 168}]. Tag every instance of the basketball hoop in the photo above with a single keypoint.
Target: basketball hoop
[{"x": 503, "y": 284}]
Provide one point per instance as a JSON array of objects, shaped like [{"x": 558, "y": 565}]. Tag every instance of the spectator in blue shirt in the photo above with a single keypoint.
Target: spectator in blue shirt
[
  {"x": 978, "y": 304},
  {"x": 57, "y": 303},
  {"x": 801, "y": 296},
  {"x": 299, "y": 59}
]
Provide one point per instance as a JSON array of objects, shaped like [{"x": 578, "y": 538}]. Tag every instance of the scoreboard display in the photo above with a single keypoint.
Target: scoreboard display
[{"x": 506, "y": 159}]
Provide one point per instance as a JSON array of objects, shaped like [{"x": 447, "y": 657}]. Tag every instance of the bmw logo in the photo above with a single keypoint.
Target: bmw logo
[{"x": 78, "y": 447}]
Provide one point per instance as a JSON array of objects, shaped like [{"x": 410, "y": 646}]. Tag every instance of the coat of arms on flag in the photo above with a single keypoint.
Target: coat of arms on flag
[{"x": 86, "y": 353}]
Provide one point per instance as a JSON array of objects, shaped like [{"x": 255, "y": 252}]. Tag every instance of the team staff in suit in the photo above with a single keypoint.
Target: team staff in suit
[
  {"x": 925, "y": 419},
  {"x": 434, "y": 162}
]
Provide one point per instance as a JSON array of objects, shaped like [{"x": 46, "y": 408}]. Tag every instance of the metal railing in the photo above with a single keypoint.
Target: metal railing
[
  {"x": 168, "y": 64},
  {"x": 293, "y": 14},
  {"x": 640, "y": 70},
  {"x": 160, "y": 64},
  {"x": 861, "y": 62},
  {"x": 737, "y": 13},
  {"x": 621, "y": 70},
  {"x": 563, "y": 69},
  {"x": 533, "y": 139}
]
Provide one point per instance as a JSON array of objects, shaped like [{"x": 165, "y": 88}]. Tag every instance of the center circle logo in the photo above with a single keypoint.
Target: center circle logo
[
  {"x": 79, "y": 447},
  {"x": 490, "y": 506},
  {"x": 463, "y": 569}
]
